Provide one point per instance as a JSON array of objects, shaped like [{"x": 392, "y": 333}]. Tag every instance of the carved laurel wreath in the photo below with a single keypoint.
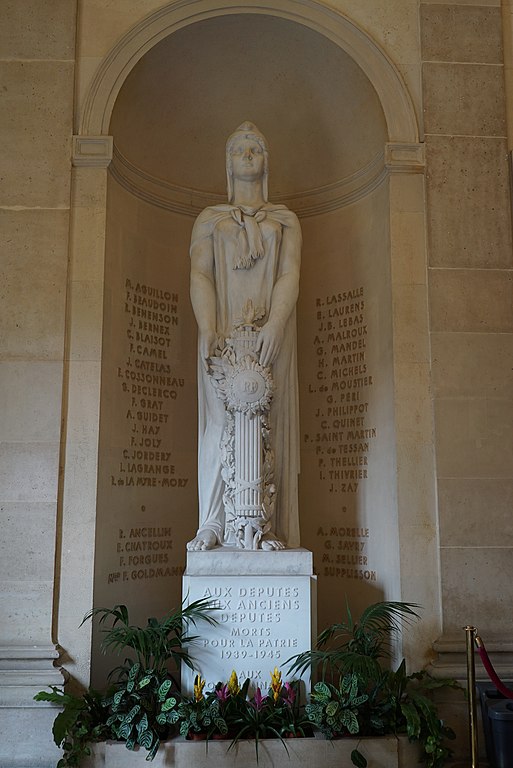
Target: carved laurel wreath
[{"x": 244, "y": 385}]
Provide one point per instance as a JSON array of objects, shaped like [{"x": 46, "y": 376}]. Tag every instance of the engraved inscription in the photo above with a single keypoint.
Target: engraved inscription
[
  {"x": 150, "y": 387},
  {"x": 342, "y": 436},
  {"x": 261, "y": 624},
  {"x": 144, "y": 552},
  {"x": 344, "y": 553}
]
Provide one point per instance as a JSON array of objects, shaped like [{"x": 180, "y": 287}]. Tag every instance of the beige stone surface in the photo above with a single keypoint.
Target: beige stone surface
[
  {"x": 33, "y": 285},
  {"x": 37, "y": 29},
  {"x": 35, "y": 132},
  {"x": 474, "y": 438},
  {"x": 419, "y": 542},
  {"x": 475, "y": 512},
  {"x": 406, "y": 193},
  {"x": 461, "y": 34},
  {"x": 77, "y": 562},
  {"x": 408, "y": 249},
  {"x": 413, "y": 479},
  {"x": 30, "y": 729},
  {"x": 26, "y": 611},
  {"x": 464, "y": 99},
  {"x": 465, "y": 2},
  {"x": 27, "y": 531},
  {"x": 472, "y": 364},
  {"x": 417, "y": 490},
  {"x": 78, "y": 525},
  {"x": 310, "y": 752},
  {"x": 507, "y": 21},
  {"x": 477, "y": 588},
  {"x": 30, "y": 394},
  {"x": 88, "y": 243},
  {"x": 86, "y": 305},
  {"x": 417, "y": 532},
  {"x": 469, "y": 175},
  {"x": 89, "y": 188},
  {"x": 394, "y": 25},
  {"x": 28, "y": 471},
  {"x": 414, "y": 420},
  {"x": 88, "y": 199},
  {"x": 101, "y": 23},
  {"x": 83, "y": 406},
  {"x": 471, "y": 300},
  {"x": 411, "y": 343}
]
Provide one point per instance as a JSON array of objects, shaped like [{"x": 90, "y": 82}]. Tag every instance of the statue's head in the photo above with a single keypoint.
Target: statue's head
[{"x": 246, "y": 131}]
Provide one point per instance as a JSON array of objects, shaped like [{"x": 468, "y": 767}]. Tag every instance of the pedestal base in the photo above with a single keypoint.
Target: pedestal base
[
  {"x": 388, "y": 751},
  {"x": 266, "y": 608}
]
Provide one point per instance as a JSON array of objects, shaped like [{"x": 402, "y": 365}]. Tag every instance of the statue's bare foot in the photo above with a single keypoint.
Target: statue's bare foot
[
  {"x": 270, "y": 542},
  {"x": 204, "y": 539}
]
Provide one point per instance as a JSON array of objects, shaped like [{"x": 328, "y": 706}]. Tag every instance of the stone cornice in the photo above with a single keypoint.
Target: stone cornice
[
  {"x": 405, "y": 157},
  {"x": 189, "y": 201},
  {"x": 92, "y": 151},
  {"x": 451, "y": 659}
]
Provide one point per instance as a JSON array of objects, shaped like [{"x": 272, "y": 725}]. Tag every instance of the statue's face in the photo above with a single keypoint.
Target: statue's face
[{"x": 247, "y": 160}]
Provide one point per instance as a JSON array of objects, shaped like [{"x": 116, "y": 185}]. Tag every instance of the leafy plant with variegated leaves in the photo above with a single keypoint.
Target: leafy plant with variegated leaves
[
  {"x": 81, "y": 721},
  {"x": 334, "y": 709},
  {"x": 395, "y": 703},
  {"x": 142, "y": 709},
  {"x": 201, "y": 714}
]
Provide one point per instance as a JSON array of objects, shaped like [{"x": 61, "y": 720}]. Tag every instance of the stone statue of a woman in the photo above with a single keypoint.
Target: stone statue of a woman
[{"x": 245, "y": 257}]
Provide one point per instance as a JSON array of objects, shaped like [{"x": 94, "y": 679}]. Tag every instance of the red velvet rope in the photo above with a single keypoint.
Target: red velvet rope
[{"x": 492, "y": 674}]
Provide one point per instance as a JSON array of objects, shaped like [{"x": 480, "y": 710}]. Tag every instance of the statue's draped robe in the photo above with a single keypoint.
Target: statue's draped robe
[{"x": 224, "y": 226}]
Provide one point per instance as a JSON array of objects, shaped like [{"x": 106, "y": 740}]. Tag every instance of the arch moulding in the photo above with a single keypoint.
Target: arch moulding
[{"x": 381, "y": 71}]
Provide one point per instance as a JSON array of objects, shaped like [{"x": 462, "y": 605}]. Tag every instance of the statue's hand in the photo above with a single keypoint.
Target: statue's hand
[
  {"x": 207, "y": 345},
  {"x": 269, "y": 343}
]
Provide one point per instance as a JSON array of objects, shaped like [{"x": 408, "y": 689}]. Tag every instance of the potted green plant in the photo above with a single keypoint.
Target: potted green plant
[
  {"x": 276, "y": 714},
  {"x": 81, "y": 722},
  {"x": 141, "y": 707},
  {"x": 291, "y": 714},
  {"x": 256, "y": 720},
  {"x": 352, "y": 657},
  {"x": 231, "y": 698},
  {"x": 200, "y": 716},
  {"x": 334, "y": 708}
]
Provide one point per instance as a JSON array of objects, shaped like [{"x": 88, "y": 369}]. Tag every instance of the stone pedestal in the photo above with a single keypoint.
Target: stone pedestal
[
  {"x": 26, "y": 725},
  {"x": 266, "y": 609}
]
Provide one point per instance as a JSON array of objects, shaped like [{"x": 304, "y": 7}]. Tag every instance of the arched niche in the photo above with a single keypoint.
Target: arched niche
[
  {"x": 111, "y": 74},
  {"x": 352, "y": 127}
]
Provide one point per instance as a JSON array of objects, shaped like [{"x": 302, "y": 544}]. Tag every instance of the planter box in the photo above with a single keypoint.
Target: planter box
[{"x": 384, "y": 752}]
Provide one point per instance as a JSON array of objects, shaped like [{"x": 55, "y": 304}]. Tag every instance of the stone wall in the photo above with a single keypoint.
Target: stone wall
[
  {"x": 471, "y": 322},
  {"x": 471, "y": 319},
  {"x": 451, "y": 59},
  {"x": 37, "y": 50}
]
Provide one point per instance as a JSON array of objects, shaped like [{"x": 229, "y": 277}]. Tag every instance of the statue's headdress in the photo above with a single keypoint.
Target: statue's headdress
[{"x": 246, "y": 130}]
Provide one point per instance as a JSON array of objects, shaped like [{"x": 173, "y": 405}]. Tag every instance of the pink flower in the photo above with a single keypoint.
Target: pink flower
[
  {"x": 223, "y": 693},
  {"x": 258, "y": 700},
  {"x": 290, "y": 695}
]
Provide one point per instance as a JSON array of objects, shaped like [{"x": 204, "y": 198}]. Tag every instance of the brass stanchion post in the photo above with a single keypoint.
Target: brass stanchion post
[{"x": 472, "y": 704}]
